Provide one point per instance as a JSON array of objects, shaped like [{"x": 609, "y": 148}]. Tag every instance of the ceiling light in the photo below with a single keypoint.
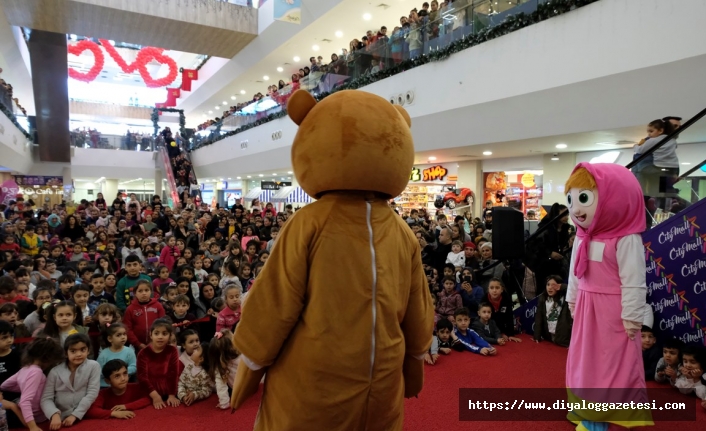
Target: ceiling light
[
  {"x": 279, "y": 69},
  {"x": 220, "y": 179},
  {"x": 432, "y": 158},
  {"x": 487, "y": 153},
  {"x": 232, "y": 97},
  {"x": 297, "y": 59},
  {"x": 242, "y": 91},
  {"x": 210, "y": 112},
  {"x": 686, "y": 163},
  {"x": 367, "y": 16},
  {"x": 266, "y": 78},
  {"x": 261, "y": 175},
  {"x": 339, "y": 34},
  {"x": 289, "y": 172},
  {"x": 289, "y": 178},
  {"x": 225, "y": 103},
  {"x": 315, "y": 47},
  {"x": 555, "y": 157},
  {"x": 561, "y": 146},
  {"x": 274, "y": 173},
  {"x": 236, "y": 178},
  {"x": 229, "y": 178},
  {"x": 216, "y": 107},
  {"x": 249, "y": 176}
]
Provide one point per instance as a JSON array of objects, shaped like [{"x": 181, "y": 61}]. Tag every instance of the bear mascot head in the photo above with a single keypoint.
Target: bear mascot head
[{"x": 340, "y": 317}]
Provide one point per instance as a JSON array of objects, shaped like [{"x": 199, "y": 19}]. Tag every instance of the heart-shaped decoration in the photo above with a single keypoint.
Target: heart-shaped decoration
[
  {"x": 148, "y": 54},
  {"x": 77, "y": 49}
]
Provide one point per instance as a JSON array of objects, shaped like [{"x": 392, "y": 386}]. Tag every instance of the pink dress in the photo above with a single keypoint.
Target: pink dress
[{"x": 607, "y": 285}]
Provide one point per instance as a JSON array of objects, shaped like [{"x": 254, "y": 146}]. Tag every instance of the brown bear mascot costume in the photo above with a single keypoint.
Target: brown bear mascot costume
[{"x": 340, "y": 316}]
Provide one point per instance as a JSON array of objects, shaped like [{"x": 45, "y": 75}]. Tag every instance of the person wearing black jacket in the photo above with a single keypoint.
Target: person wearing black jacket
[
  {"x": 502, "y": 313},
  {"x": 552, "y": 321},
  {"x": 551, "y": 243}
]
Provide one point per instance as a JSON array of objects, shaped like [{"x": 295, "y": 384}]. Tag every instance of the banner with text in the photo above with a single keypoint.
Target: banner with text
[{"x": 675, "y": 254}]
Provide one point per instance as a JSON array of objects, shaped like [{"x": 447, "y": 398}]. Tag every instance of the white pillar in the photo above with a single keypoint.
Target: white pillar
[
  {"x": 470, "y": 175},
  {"x": 556, "y": 172},
  {"x": 158, "y": 177},
  {"x": 109, "y": 188}
]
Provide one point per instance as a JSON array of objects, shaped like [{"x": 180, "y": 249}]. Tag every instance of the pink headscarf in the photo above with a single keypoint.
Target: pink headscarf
[{"x": 620, "y": 211}]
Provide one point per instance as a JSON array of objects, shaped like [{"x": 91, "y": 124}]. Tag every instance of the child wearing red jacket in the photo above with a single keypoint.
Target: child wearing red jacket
[
  {"x": 121, "y": 398},
  {"x": 159, "y": 367},
  {"x": 170, "y": 254},
  {"x": 141, "y": 314}
]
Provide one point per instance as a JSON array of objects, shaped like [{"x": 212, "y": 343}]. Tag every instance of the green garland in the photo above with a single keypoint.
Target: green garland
[
  {"x": 512, "y": 23},
  {"x": 155, "y": 119},
  {"x": 13, "y": 120}
]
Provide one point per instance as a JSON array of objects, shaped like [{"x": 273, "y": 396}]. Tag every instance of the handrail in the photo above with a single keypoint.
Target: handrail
[
  {"x": 690, "y": 171},
  {"x": 667, "y": 138}
]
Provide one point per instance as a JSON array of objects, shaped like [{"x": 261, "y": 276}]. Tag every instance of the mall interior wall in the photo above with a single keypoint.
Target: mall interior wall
[{"x": 556, "y": 172}]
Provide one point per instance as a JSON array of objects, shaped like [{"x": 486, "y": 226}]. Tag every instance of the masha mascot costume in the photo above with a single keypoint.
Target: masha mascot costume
[
  {"x": 340, "y": 317},
  {"x": 606, "y": 295}
]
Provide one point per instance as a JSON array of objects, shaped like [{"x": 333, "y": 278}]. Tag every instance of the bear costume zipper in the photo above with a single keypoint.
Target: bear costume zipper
[{"x": 375, "y": 280}]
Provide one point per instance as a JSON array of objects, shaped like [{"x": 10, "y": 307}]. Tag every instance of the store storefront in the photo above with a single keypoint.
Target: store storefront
[
  {"x": 41, "y": 190},
  {"x": 515, "y": 189},
  {"x": 228, "y": 192},
  {"x": 426, "y": 183}
]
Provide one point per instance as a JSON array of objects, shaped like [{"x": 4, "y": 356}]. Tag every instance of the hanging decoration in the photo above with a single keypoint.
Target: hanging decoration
[
  {"x": 99, "y": 60},
  {"x": 188, "y": 75},
  {"x": 144, "y": 57}
]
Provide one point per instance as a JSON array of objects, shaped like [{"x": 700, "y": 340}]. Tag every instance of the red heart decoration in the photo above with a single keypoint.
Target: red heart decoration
[
  {"x": 99, "y": 58},
  {"x": 151, "y": 53}
]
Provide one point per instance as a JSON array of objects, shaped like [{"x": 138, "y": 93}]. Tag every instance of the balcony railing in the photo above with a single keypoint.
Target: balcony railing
[{"x": 434, "y": 37}]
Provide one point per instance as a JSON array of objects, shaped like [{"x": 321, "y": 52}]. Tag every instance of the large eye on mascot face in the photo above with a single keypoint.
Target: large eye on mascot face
[{"x": 582, "y": 205}]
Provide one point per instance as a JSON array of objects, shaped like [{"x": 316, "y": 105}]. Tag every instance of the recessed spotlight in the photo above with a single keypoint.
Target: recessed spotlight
[
  {"x": 339, "y": 34},
  {"x": 220, "y": 179},
  {"x": 289, "y": 172},
  {"x": 686, "y": 163},
  {"x": 242, "y": 91},
  {"x": 555, "y": 157},
  {"x": 561, "y": 146},
  {"x": 216, "y": 107},
  {"x": 261, "y": 175},
  {"x": 279, "y": 69},
  {"x": 210, "y": 112},
  {"x": 297, "y": 59},
  {"x": 432, "y": 158},
  {"x": 225, "y": 103},
  {"x": 266, "y": 78},
  {"x": 274, "y": 173},
  {"x": 229, "y": 178},
  {"x": 315, "y": 47},
  {"x": 487, "y": 153},
  {"x": 237, "y": 178},
  {"x": 232, "y": 97},
  {"x": 367, "y": 16},
  {"x": 249, "y": 176}
]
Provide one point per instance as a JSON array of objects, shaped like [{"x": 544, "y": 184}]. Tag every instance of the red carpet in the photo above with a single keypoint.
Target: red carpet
[{"x": 526, "y": 364}]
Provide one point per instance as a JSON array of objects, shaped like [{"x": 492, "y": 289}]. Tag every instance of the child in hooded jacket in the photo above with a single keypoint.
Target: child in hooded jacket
[{"x": 140, "y": 315}]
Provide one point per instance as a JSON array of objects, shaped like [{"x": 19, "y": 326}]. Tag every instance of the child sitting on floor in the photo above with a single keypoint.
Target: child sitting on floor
[
  {"x": 691, "y": 379},
  {"x": 468, "y": 339},
  {"x": 223, "y": 364},
  {"x": 158, "y": 366},
  {"x": 449, "y": 299},
  {"x": 121, "y": 398},
  {"x": 442, "y": 342},
  {"x": 194, "y": 382},
  {"x": 668, "y": 366},
  {"x": 502, "y": 314},
  {"x": 552, "y": 320},
  {"x": 486, "y": 327}
]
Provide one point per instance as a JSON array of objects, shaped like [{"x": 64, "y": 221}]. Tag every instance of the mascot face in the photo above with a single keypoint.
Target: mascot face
[
  {"x": 582, "y": 205},
  {"x": 352, "y": 140}
]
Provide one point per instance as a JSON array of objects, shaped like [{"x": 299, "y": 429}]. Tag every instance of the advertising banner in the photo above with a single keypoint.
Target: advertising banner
[
  {"x": 524, "y": 317},
  {"x": 288, "y": 10},
  {"x": 8, "y": 192},
  {"x": 675, "y": 254},
  {"x": 24, "y": 180}
]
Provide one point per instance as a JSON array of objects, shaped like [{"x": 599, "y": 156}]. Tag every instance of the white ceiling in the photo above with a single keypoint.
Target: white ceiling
[{"x": 347, "y": 18}]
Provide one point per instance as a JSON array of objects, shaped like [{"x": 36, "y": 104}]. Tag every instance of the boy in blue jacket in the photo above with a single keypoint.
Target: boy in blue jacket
[{"x": 468, "y": 338}]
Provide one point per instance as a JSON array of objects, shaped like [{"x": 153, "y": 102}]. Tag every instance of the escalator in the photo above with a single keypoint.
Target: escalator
[{"x": 171, "y": 187}]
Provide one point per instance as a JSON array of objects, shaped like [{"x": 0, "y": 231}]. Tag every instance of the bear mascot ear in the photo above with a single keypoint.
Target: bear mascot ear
[
  {"x": 404, "y": 114},
  {"x": 299, "y": 106}
]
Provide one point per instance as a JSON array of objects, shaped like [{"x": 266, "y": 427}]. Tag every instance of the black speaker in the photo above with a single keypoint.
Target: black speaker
[{"x": 508, "y": 233}]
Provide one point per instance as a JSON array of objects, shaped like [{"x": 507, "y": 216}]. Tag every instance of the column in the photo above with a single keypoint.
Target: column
[
  {"x": 470, "y": 175},
  {"x": 50, "y": 75},
  {"x": 556, "y": 172},
  {"x": 68, "y": 183},
  {"x": 158, "y": 182},
  {"x": 109, "y": 188}
]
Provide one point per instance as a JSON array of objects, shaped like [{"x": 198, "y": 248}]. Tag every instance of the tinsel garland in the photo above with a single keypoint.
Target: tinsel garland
[
  {"x": 512, "y": 23},
  {"x": 8, "y": 113},
  {"x": 155, "y": 119}
]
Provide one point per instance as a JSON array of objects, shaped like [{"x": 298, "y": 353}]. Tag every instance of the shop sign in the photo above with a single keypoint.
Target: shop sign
[
  {"x": 527, "y": 180},
  {"x": 28, "y": 191},
  {"x": 274, "y": 185},
  {"x": 24, "y": 180},
  {"x": 434, "y": 173}
]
